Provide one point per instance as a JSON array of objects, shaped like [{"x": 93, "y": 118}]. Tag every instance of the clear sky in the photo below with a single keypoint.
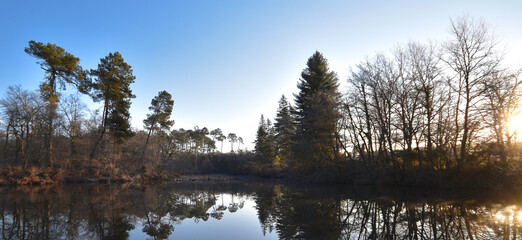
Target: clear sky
[{"x": 228, "y": 62}]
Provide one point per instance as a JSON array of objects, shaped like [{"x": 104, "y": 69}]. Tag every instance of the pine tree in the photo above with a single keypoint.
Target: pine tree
[
  {"x": 218, "y": 135},
  {"x": 60, "y": 67},
  {"x": 112, "y": 86},
  {"x": 264, "y": 143},
  {"x": 159, "y": 119},
  {"x": 284, "y": 128},
  {"x": 316, "y": 113},
  {"x": 232, "y": 138}
]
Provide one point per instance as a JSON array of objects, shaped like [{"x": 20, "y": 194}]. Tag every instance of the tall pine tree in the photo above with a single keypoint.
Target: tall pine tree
[
  {"x": 316, "y": 114},
  {"x": 112, "y": 86},
  {"x": 159, "y": 119},
  {"x": 60, "y": 68},
  {"x": 284, "y": 128}
]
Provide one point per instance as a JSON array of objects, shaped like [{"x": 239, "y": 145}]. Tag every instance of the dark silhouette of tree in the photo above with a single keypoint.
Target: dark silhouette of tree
[
  {"x": 472, "y": 56},
  {"x": 60, "y": 67},
  {"x": 239, "y": 142},
  {"x": 316, "y": 113},
  {"x": 232, "y": 138}
]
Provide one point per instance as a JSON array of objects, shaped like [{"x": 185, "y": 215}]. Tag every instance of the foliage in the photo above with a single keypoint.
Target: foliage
[
  {"x": 161, "y": 107},
  {"x": 265, "y": 143},
  {"x": 284, "y": 129},
  {"x": 60, "y": 67},
  {"x": 316, "y": 114},
  {"x": 422, "y": 114}
]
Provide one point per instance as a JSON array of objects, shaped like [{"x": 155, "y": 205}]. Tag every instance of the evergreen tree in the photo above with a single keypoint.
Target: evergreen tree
[
  {"x": 218, "y": 135},
  {"x": 159, "y": 119},
  {"x": 232, "y": 138},
  {"x": 60, "y": 67},
  {"x": 316, "y": 113},
  {"x": 264, "y": 143},
  {"x": 112, "y": 86},
  {"x": 284, "y": 128}
]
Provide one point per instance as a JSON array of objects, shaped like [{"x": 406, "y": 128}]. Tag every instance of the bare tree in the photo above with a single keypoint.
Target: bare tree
[
  {"x": 21, "y": 109},
  {"x": 502, "y": 101},
  {"x": 471, "y": 56},
  {"x": 73, "y": 112}
]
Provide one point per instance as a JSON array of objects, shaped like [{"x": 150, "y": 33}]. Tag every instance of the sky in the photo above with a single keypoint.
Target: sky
[{"x": 228, "y": 62}]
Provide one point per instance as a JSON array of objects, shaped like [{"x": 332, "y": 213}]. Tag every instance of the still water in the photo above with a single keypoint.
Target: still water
[{"x": 252, "y": 210}]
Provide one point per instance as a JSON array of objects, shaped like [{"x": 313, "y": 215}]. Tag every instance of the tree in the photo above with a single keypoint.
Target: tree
[
  {"x": 426, "y": 74},
  {"x": 159, "y": 119},
  {"x": 200, "y": 140},
  {"x": 203, "y": 139},
  {"x": 21, "y": 109},
  {"x": 239, "y": 142},
  {"x": 60, "y": 67},
  {"x": 73, "y": 111},
  {"x": 284, "y": 128},
  {"x": 265, "y": 142},
  {"x": 112, "y": 86},
  {"x": 217, "y": 134},
  {"x": 317, "y": 113},
  {"x": 471, "y": 55},
  {"x": 502, "y": 93},
  {"x": 232, "y": 138}
]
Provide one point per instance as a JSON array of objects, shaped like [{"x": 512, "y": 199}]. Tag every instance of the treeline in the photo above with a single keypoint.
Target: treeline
[
  {"x": 437, "y": 113},
  {"x": 420, "y": 111},
  {"x": 52, "y": 135}
]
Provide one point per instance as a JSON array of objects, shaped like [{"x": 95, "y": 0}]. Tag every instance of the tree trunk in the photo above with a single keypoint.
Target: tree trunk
[
  {"x": 146, "y": 143},
  {"x": 6, "y": 141},
  {"x": 102, "y": 133},
  {"x": 48, "y": 161},
  {"x": 465, "y": 128}
]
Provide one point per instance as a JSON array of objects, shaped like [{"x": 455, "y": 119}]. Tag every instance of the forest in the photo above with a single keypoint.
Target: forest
[{"x": 440, "y": 114}]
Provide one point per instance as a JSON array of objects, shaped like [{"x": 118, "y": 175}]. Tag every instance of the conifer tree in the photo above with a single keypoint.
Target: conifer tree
[
  {"x": 316, "y": 113},
  {"x": 232, "y": 138},
  {"x": 218, "y": 135},
  {"x": 264, "y": 143},
  {"x": 112, "y": 86},
  {"x": 284, "y": 128},
  {"x": 60, "y": 68},
  {"x": 159, "y": 119}
]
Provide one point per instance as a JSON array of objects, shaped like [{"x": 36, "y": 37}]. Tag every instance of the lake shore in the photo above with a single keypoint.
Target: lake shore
[{"x": 478, "y": 183}]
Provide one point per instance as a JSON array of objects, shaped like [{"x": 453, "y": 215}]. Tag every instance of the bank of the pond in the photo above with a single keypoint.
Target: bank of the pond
[
  {"x": 36, "y": 176},
  {"x": 16, "y": 176},
  {"x": 471, "y": 179}
]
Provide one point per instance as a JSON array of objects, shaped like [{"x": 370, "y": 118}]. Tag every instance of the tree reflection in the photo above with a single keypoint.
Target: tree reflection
[
  {"x": 298, "y": 215},
  {"x": 103, "y": 212},
  {"x": 111, "y": 212}
]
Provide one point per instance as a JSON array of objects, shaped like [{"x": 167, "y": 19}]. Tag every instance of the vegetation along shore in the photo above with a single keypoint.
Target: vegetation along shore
[{"x": 440, "y": 114}]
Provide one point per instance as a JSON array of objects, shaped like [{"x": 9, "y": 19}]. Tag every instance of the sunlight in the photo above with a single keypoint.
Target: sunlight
[
  {"x": 508, "y": 214},
  {"x": 515, "y": 124}
]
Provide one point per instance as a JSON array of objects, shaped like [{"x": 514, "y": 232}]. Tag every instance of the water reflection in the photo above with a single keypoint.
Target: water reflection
[
  {"x": 121, "y": 212},
  {"x": 297, "y": 215}
]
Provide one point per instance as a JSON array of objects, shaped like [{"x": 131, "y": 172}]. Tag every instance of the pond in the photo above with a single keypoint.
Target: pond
[{"x": 252, "y": 210}]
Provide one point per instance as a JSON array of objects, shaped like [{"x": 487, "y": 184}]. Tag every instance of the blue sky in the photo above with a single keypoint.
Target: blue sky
[{"x": 228, "y": 62}]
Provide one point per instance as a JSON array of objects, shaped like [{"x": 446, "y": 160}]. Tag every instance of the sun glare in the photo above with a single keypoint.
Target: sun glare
[{"x": 515, "y": 125}]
